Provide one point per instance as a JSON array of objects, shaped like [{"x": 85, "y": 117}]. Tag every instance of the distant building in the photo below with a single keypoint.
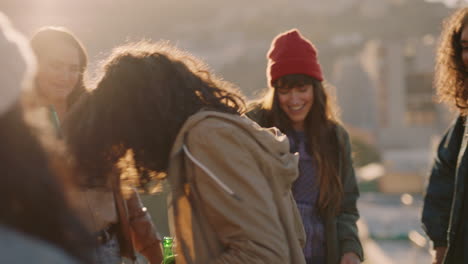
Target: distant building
[{"x": 386, "y": 90}]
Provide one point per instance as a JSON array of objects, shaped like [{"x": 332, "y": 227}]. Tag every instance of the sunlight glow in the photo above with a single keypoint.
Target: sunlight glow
[{"x": 450, "y": 3}]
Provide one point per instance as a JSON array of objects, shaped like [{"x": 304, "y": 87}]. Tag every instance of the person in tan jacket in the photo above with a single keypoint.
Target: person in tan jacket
[{"x": 230, "y": 179}]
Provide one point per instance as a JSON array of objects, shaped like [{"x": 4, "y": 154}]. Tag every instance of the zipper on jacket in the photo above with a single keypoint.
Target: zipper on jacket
[{"x": 211, "y": 174}]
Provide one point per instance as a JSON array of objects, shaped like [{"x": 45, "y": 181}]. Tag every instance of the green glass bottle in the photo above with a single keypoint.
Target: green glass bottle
[{"x": 169, "y": 257}]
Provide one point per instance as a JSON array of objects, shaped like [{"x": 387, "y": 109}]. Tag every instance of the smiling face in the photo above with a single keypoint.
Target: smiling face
[
  {"x": 59, "y": 72},
  {"x": 296, "y": 102}
]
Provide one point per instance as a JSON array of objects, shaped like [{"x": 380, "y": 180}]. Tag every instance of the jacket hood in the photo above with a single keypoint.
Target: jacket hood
[{"x": 271, "y": 140}]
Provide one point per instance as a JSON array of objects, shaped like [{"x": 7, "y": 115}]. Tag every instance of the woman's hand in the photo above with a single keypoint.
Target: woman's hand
[{"x": 350, "y": 258}]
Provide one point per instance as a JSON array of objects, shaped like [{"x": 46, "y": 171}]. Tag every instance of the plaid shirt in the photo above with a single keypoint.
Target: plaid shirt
[{"x": 306, "y": 193}]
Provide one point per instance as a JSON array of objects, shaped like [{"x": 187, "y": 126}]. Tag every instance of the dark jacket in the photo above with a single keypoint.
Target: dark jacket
[
  {"x": 340, "y": 231},
  {"x": 443, "y": 203}
]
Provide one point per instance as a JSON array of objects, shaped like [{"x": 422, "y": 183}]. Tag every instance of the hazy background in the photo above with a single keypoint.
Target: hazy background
[
  {"x": 377, "y": 55},
  {"x": 232, "y": 36}
]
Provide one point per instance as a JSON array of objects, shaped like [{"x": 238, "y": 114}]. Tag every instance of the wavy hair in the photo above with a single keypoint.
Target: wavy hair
[
  {"x": 144, "y": 95},
  {"x": 450, "y": 73},
  {"x": 320, "y": 129}
]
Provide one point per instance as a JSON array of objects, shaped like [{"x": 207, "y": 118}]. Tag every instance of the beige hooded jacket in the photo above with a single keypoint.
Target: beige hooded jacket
[{"x": 231, "y": 199}]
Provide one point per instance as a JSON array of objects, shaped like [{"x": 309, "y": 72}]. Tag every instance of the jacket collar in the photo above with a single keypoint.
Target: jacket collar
[{"x": 271, "y": 140}]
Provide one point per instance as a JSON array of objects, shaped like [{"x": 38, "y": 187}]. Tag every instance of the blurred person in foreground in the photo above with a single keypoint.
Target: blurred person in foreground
[
  {"x": 445, "y": 212},
  {"x": 163, "y": 110},
  {"x": 121, "y": 226},
  {"x": 326, "y": 190},
  {"x": 37, "y": 222}
]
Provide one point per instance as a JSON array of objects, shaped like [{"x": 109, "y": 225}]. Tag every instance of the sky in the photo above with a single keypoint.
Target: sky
[{"x": 450, "y": 3}]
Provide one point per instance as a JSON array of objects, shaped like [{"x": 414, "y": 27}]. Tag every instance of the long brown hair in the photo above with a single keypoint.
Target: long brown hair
[
  {"x": 450, "y": 73},
  {"x": 48, "y": 37},
  {"x": 320, "y": 129}
]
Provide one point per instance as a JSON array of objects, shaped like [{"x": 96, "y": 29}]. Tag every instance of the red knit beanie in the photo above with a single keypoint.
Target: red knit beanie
[{"x": 291, "y": 53}]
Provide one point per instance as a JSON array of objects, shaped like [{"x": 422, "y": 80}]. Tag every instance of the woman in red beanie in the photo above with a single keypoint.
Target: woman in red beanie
[{"x": 326, "y": 189}]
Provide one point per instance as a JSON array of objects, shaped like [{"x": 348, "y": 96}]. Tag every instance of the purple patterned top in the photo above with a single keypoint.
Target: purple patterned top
[{"x": 305, "y": 192}]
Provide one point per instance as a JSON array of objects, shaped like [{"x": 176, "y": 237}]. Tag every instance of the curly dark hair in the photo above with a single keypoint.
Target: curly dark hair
[
  {"x": 320, "y": 129},
  {"x": 145, "y": 94},
  {"x": 450, "y": 73}
]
